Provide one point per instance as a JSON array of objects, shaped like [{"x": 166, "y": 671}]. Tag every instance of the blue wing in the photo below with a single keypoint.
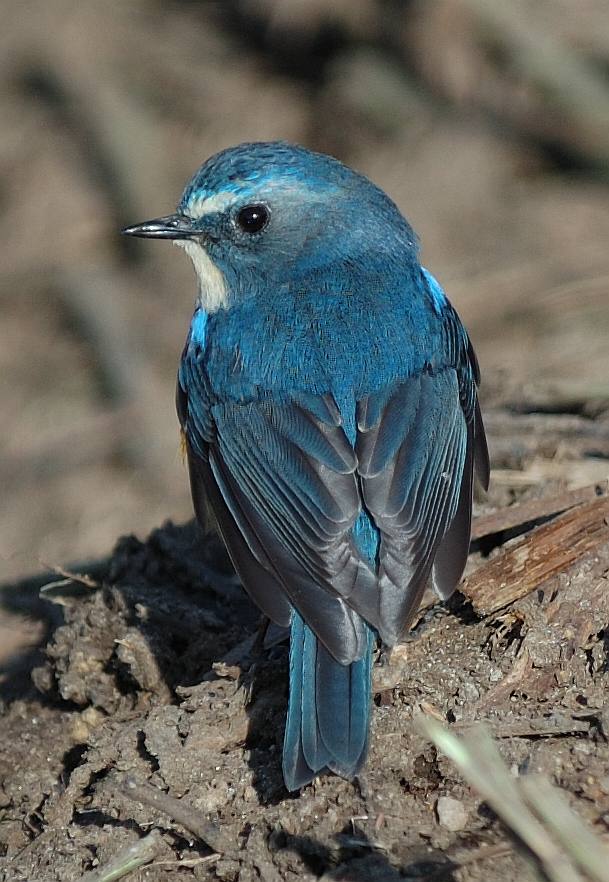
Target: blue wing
[
  {"x": 281, "y": 479},
  {"x": 418, "y": 444},
  {"x": 287, "y": 487}
]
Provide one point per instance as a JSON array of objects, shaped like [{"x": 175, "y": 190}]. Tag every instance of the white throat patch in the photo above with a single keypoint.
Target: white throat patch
[{"x": 213, "y": 294}]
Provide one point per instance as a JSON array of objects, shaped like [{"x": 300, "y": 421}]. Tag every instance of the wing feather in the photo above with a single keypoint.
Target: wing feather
[
  {"x": 287, "y": 488},
  {"x": 281, "y": 480},
  {"x": 414, "y": 464}
]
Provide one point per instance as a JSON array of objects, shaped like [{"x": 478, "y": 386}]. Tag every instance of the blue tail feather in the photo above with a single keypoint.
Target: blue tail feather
[
  {"x": 328, "y": 711},
  {"x": 313, "y": 744}
]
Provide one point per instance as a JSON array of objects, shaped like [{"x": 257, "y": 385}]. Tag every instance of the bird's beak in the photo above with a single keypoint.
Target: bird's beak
[{"x": 174, "y": 226}]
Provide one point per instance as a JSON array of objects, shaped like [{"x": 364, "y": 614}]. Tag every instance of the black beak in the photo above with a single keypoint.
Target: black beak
[{"x": 174, "y": 226}]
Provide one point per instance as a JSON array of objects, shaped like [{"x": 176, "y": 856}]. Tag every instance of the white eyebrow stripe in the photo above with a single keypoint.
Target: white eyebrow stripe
[{"x": 204, "y": 205}]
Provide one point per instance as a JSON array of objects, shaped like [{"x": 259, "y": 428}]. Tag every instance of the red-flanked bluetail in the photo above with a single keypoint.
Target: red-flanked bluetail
[{"x": 328, "y": 397}]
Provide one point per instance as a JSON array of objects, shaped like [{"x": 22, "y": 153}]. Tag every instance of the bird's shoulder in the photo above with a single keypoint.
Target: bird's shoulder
[
  {"x": 313, "y": 340},
  {"x": 454, "y": 346}
]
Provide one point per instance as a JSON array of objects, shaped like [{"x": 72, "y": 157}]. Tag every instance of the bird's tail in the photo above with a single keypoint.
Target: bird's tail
[{"x": 328, "y": 711}]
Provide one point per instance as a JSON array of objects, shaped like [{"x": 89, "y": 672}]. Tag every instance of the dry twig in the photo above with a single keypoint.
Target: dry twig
[
  {"x": 181, "y": 812},
  {"x": 129, "y": 859},
  {"x": 540, "y": 555},
  {"x": 518, "y": 516},
  {"x": 540, "y": 817}
]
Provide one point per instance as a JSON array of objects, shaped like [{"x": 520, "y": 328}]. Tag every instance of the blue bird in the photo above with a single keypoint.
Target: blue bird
[{"x": 327, "y": 393}]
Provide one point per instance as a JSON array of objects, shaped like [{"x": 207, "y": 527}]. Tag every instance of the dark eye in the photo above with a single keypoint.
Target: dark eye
[{"x": 253, "y": 218}]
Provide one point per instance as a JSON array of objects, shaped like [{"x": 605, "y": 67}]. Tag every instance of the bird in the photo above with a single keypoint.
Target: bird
[{"x": 328, "y": 397}]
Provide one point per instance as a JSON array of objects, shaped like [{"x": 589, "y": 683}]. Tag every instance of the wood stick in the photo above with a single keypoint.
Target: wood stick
[
  {"x": 534, "y": 510},
  {"x": 179, "y": 810},
  {"x": 543, "y": 553}
]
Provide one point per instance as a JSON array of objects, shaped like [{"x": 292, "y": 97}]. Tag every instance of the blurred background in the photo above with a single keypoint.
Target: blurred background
[{"x": 487, "y": 122}]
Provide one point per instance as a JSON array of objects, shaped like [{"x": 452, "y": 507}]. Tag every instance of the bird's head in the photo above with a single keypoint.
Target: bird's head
[{"x": 274, "y": 214}]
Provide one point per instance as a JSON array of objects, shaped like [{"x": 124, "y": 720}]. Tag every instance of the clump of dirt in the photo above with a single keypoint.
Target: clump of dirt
[{"x": 158, "y": 709}]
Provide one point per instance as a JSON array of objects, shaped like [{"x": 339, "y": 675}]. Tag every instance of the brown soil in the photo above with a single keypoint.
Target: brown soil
[{"x": 150, "y": 674}]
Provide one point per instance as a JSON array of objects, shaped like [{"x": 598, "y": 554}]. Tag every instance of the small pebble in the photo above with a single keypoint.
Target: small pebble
[
  {"x": 451, "y": 813},
  {"x": 604, "y": 784}
]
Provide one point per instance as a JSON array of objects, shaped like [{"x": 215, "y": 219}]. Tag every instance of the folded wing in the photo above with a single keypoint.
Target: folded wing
[
  {"x": 287, "y": 487},
  {"x": 281, "y": 479},
  {"x": 418, "y": 445}
]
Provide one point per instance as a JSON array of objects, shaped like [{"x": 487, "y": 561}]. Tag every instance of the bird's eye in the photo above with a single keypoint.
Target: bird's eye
[{"x": 253, "y": 218}]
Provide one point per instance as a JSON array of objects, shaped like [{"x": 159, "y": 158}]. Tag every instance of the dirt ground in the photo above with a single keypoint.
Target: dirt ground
[{"x": 149, "y": 678}]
